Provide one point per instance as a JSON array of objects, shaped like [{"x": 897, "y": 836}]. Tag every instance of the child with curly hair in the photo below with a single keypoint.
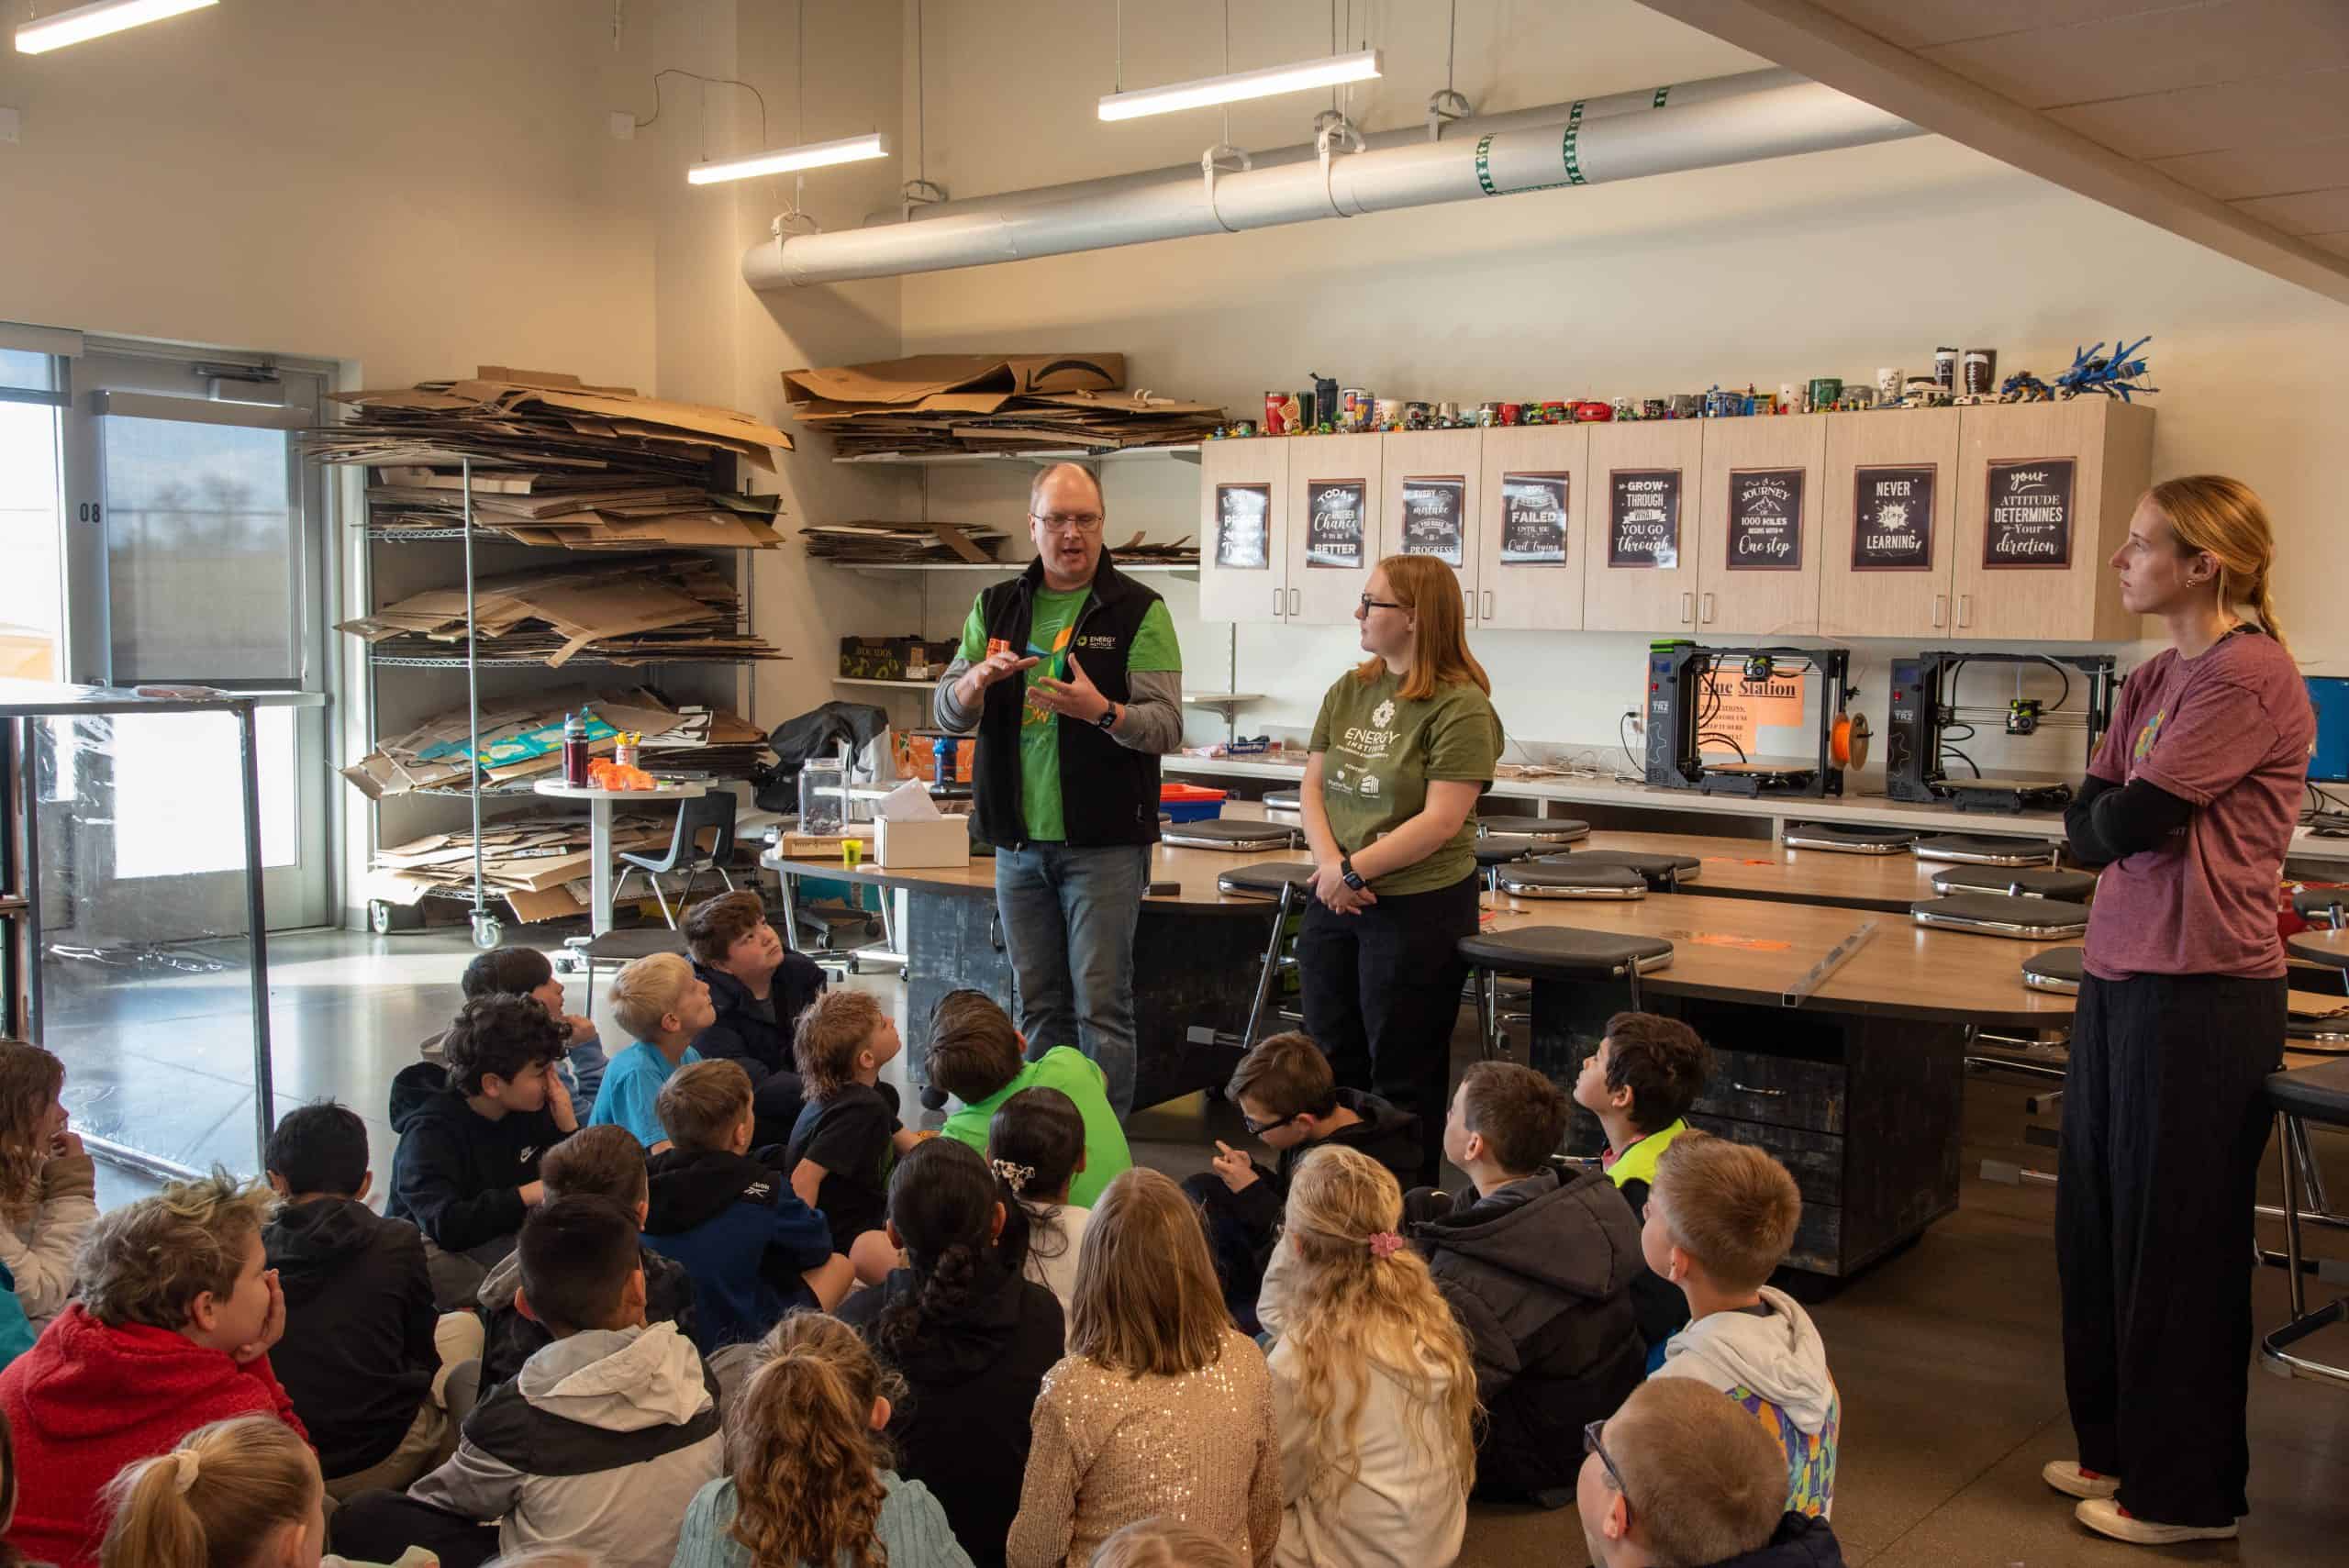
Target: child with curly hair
[
  {"x": 48, "y": 1185},
  {"x": 1372, "y": 1382},
  {"x": 807, "y": 1482}
]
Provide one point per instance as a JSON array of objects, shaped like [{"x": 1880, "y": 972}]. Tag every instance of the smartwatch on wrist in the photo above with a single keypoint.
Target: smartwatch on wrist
[
  {"x": 1350, "y": 876},
  {"x": 1108, "y": 720}
]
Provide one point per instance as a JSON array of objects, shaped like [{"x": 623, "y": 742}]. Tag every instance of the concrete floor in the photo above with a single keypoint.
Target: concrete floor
[{"x": 1947, "y": 1354}]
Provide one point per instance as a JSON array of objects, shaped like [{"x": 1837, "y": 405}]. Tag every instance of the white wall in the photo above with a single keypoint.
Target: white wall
[{"x": 1833, "y": 265}]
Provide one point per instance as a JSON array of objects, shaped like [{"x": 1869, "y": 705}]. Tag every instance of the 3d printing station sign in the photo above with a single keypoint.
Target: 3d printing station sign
[
  {"x": 1644, "y": 518},
  {"x": 1740, "y": 709},
  {"x": 1893, "y": 520},
  {"x": 1243, "y": 516},
  {"x": 1766, "y": 519},
  {"x": 2030, "y": 514},
  {"x": 1334, "y": 517},
  {"x": 1533, "y": 519},
  {"x": 1433, "y": 520}
]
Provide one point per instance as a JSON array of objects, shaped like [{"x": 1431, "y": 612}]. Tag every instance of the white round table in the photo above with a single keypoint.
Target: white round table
[{"x": 599, "y": 834}]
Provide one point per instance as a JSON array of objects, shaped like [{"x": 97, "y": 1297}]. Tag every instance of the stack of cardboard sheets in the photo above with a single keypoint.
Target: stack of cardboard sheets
[
  {"x": 876, "y": 543},
  {"x": 643, "y": 610},
  {"x": 541, "y": 865},
  {"x": 521, "y": 741},
  {"x": 991, "y": 403},
  {"x": 556, "y": 462}
]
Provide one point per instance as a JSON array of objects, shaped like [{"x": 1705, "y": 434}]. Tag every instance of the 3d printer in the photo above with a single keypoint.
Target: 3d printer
[
  {"x": 1685, "y": 699},
  {"x": 1924, "y": 710}
]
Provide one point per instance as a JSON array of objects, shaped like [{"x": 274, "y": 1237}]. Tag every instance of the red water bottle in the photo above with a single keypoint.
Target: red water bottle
[{"x": 575, "y": 751}]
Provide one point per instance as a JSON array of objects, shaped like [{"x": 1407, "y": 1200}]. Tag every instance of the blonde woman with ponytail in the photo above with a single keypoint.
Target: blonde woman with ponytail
[
  {"x": 809, "y": 1483},
  {"x": 1372, "y": 1384},
  {"x": 241, "y": 1493},
  {"x": 2188, "y": 806}
]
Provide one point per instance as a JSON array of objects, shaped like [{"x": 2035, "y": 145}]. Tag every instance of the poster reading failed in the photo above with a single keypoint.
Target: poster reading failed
[{"x": 1533, "y": 519}]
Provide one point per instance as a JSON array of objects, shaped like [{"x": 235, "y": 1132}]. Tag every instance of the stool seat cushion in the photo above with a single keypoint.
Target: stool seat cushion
[
  {"x": 2001, "y": 915},
  {"x": 1228, "y": 833},
  {"x": 1283, "y": 800},
  {"x": 1855, "y": 841},
  {"x": 2318, "y": 1094},
  {"x": 2316, "y": 1037},
  {"x": 2317, "y": 903},
  {"x": 2028, "y": 882},
  {"x": 2322, "y": 945},
  {"x": 2057, "y": 968},
  {"x": 1985, "y": 849},
  {"x": 1499, "y": 849},
  {"x": 1565, "y": 876},
  {"x": 1661, "y": 870},
  {"x": 1564, "y": 953},
  {"x": 1548, "y": 830},
  {"x": 1267, "y": 877},
  {"x": 624, "y": 947}
]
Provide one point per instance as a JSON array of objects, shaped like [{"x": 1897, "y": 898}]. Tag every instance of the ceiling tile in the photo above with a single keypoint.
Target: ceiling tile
[
  {"x": 1919, "y": 24},
  {"x": 2232, "y": 41},
  {"x": 2303, "y": 212},
  {"x": 2261, "y": 170},
  {"x": 2278, "y": 111}
]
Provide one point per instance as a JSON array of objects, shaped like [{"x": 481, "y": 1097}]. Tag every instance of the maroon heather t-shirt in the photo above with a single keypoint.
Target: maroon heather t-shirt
[{"x": 2229, "y": 733}]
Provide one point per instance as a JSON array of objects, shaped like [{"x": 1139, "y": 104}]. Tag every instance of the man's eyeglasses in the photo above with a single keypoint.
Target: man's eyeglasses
[
  {"x": 1061, "y": 522},
  {"x": 1369, "y": 604},
  {"x": 1590, "y": 1445},
  {"x": 1258, "y": 1128}
]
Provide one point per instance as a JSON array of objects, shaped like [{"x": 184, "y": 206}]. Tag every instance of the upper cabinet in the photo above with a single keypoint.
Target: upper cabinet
[
  {"x": 1334, "y": 502},
  {"x": 2044, "y": 491},
  {"x": 1533, "y": 535},
  {"x": 1891, "y": 480},
  {"x": 1244, "y": 523},
  {"x": 1434, "y": 483},
  {"x": 1758, "y": 537},
  {"x": 1647, "y": 479}
]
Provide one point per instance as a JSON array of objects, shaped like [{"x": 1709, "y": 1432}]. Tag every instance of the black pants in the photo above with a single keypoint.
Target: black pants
[
  {"x": 376, "y": 1527},
  {"x": 2164, "y": 1120},
  {"x": 1241, "y": 1248},
  {"x": 1382, "y": 996}
]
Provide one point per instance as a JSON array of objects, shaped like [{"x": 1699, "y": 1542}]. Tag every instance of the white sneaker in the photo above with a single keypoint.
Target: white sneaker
[
  {"x": 2067, "y": 1477},
  {"x": 2107, "y": 1517}
]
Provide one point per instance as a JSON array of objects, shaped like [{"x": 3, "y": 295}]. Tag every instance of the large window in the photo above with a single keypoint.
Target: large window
[{"x": 31, "y": 590}]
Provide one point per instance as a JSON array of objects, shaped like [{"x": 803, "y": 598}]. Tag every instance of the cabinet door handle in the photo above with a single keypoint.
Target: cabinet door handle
[
  {"x": 1708, "y": 612},
  {"x": 1966, "y": 609},
  {"x": 1297, "y": 601},
  {"x": 1277, "y": 605},
  {"x": 1688, "y": 609},
  {"x": 1763, "y": 1093},
  {"x": 1941, "y": 608},
  {"x": 1488, "y": 604}
]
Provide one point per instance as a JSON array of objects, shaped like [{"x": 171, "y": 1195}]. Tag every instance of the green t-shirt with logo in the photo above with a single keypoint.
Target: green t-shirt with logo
[
  {"x": 1378, "y": 754},
  {"x": 1050, "y": 627}
]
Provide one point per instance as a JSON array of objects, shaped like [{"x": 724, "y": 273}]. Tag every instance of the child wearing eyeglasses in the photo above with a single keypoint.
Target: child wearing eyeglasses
[{"x": 1291, "y": 1102}]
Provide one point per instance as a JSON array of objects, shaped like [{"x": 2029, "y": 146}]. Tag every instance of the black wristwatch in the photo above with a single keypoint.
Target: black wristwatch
[
  {"x": 1347, "y": 875},
  {"x": 1108, "y": 720}
]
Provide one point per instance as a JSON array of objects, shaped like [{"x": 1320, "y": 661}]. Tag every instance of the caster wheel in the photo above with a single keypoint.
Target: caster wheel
[
  {"x": 486, "y": 931},
  {"x": 379, "y": 917}
]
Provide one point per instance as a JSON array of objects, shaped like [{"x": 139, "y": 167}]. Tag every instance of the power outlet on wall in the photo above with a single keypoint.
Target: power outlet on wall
[{"x": 11, "y": 124}]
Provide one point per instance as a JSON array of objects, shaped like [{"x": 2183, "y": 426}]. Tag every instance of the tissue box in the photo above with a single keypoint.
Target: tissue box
[{"x": 945, "y": 841}]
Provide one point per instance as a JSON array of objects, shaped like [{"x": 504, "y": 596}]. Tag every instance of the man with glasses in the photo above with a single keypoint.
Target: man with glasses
[
  {"x": 1683, "y": 1477},
  {"x": 1066, "y": 778}
]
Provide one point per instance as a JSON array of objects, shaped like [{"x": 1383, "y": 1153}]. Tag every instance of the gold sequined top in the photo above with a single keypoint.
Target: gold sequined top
[{"x": 1109, "y": 1449}]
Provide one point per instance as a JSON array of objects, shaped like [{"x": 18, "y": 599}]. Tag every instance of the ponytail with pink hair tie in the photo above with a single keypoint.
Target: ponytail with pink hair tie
[{"x": 1385, "y": 1244}]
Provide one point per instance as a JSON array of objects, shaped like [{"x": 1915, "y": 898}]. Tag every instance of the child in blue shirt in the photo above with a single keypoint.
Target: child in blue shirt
[{"x": 660, "y": 1002}]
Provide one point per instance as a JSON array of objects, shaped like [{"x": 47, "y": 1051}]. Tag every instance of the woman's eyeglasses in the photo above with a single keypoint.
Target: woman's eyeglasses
[{"x": 1369, "y": 604}]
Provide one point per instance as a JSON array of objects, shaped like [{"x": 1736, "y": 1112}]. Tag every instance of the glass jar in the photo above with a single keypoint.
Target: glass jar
[{"x": 822, "y": 795}]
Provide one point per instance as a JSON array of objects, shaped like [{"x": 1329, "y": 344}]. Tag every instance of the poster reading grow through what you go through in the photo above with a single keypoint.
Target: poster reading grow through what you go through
[
  {"x": 1243, "y": 515},
  {"x": 1434, "y": 523},
  {"x": 1644, "y": 518},
  {"x": 1334, "y": 517},
  {"x": 1533, "y": 519}
]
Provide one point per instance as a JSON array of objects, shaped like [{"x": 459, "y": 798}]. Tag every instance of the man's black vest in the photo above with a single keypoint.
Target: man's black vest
[{"x": 1109, "y": 792}]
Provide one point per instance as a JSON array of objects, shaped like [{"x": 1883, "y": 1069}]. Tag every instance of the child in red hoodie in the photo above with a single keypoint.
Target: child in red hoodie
[{"x": 177, "y": 1314}]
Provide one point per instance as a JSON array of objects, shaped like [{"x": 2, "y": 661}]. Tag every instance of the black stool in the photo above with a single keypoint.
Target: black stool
[
  {"x": 1565, "y": 876},
  {"x": 2057, "y": 968},
  {"x": 1285, "y": 882},
  {"x": 2018, "y": 882},
  {"x": 2327, "y": 907},
  {"x": 1985, "y": 849},
  {"x": 1494, "y": 850},
  {"x": 618, "y": 948},
  {"x": 1846, "y": 840},
  {"x": 2320, "y": 1094},
  {"x": 1554, "y": 952},
  {"x": 1234, "y": 834},
  {"x": 2002, "y": 915},
  {"x": 1547, "y": 829},
  {"x": 2317, "y": 1036},
  {"x": 1662, "y": 872},
  {"x": 1283, "y": 800},
  {"x": 2321, "y": 944}
]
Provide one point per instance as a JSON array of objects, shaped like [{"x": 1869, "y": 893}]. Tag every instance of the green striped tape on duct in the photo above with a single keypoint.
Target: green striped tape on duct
[
  {"x": 1573, "y": 175},
  {"x": 1660, "y": 94}
]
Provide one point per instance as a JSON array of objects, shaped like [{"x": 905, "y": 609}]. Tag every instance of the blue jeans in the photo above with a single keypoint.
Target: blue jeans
[{"x": 1068, "y": 918}]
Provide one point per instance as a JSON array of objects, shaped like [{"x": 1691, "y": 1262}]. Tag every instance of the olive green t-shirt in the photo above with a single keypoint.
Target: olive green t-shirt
[{"x": 1378, "y": 753}]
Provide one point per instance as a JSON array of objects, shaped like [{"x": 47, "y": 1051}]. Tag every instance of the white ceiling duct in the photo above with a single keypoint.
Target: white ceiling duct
[{"x": 1732, "y": 120}]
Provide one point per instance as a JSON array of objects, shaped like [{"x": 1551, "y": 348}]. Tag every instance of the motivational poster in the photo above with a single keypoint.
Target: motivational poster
[
  {"x": 1334, "y": 509},
  {"x": 1893, "y": 520},
  {"x": 1644, "y": 518},
  {"x": 2030, "y": 514},
  {"x": 1243, "y": 515},
  {"x": 1434, "y": 521},
  {"x": 1533, "y": 519},
  {"x": 1765, "y": 519}
]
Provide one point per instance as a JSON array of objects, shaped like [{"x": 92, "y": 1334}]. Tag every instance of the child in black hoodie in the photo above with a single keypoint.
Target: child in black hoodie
[
  {"x": 1537, "y": 1261},
  {"x": 466, "y": 1171},
  {"x": 1291, "y": 1101},
  {"x": 972, "y": 1338},
  {"x": 596, "y": 1162},
  {"x": 358, "y": 1358}
]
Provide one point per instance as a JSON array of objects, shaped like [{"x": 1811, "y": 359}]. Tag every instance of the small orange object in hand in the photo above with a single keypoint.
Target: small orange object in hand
[{"x": 602, "y": 773}]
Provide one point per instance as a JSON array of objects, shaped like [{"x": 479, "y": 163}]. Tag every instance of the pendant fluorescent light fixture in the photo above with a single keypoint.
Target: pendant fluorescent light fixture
[
  {"x": 1363, "y": 65},
  {"x": 785, "y": 160},
  {"x": 97, "y": 19}
]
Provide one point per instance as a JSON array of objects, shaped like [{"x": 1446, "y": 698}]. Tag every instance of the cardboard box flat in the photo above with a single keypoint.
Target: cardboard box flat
[
  {"x": 912, "y": 382},
  {"x": 945, "y": 841}
]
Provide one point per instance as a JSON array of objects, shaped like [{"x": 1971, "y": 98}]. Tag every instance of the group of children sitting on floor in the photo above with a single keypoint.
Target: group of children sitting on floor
[{"x": 737, "y": 1317}]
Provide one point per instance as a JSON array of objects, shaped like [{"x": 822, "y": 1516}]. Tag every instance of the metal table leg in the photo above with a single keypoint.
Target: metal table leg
[{"x": 599, "y": 851}]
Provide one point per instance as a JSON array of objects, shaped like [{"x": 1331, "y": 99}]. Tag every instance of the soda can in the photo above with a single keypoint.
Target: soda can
[
  {"x": 1511, "y": 412},
  {"x": 1888, "y": 381},
  {"x": 1273, "y": 402},
  {"x": 1358, "y": 408},
  {"x": 1945, "y": 369},
  {"x": 1981, "y": 372}
]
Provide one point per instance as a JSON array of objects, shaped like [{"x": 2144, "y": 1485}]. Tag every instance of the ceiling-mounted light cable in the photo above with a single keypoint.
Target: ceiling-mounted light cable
[
  {"x": 1241, "y": 86},
  {"x": 95, "y": 20}
]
